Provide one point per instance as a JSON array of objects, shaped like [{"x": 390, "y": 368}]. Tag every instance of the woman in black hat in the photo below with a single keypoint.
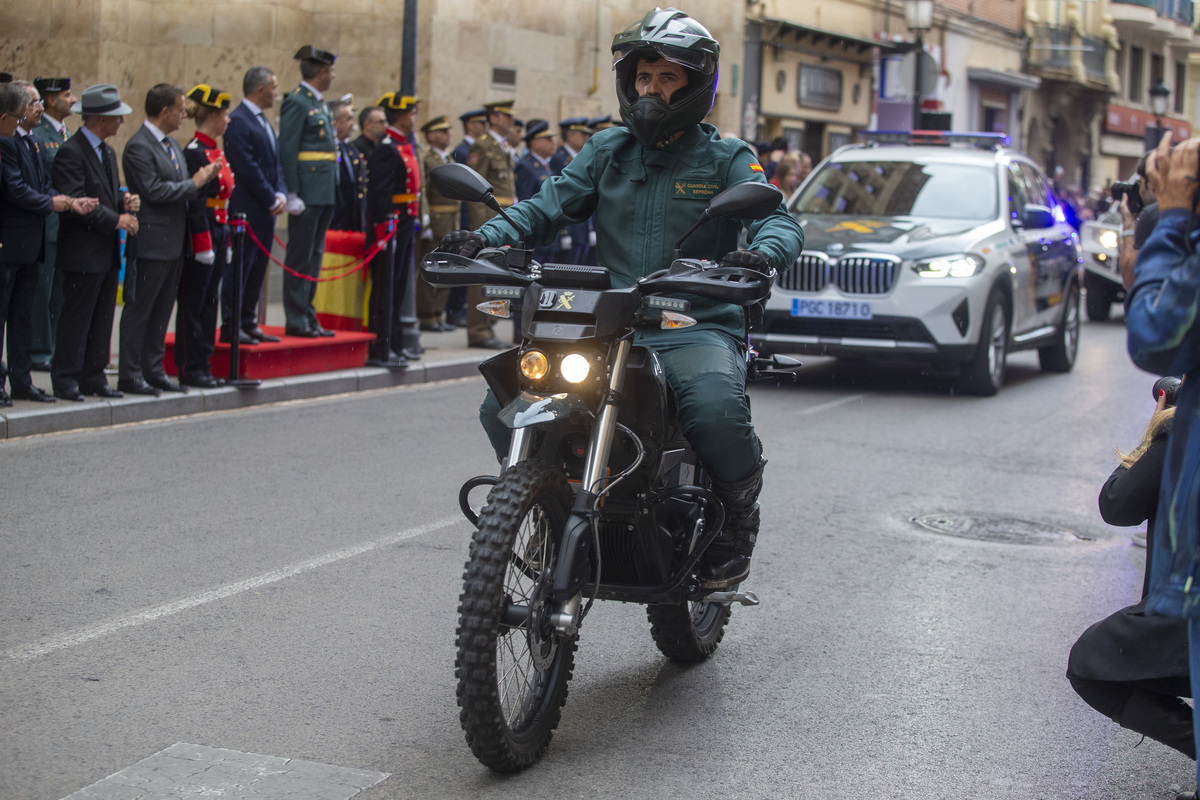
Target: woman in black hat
[{"x": 196, "y": 323}]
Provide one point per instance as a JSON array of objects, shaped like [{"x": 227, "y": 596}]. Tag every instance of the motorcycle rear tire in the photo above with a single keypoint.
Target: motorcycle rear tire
[
  {"x": 688, "y": 632},
  {"x": 512, "y": 681}
]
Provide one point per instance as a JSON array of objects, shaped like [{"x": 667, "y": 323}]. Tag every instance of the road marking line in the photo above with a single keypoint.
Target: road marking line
[
  {"x": 186, "y": 770},
  {"x": 220, "y": 593},
  {"x": 831, "y": 404}
]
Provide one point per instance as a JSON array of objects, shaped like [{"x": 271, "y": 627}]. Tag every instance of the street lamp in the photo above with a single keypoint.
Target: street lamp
[
  {"x": 1158, "y": 106},
  {"x": 918, "y": 16}
]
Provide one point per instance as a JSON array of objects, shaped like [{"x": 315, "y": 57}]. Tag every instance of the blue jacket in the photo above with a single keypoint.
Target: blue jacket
[
  {"x": 1163, "y": 329},
  {"x": 253, "y": 155},
  {"x": 25, "y": 201}
]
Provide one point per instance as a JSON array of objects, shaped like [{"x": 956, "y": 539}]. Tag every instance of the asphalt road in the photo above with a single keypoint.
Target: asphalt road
[{"x": 283, "y": 581}]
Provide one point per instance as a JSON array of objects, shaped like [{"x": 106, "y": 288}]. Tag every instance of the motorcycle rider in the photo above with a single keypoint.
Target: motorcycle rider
[{"x": 647, "y": 183}]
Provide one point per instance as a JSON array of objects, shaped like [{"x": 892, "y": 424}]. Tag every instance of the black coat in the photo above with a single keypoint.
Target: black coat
[
  {"x": 87, "y": 243},
  {"x": 25, "y": 201}
]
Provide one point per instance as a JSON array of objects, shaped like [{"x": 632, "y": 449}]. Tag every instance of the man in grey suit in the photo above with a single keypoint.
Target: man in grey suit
[{"x": 155, "y": 171}]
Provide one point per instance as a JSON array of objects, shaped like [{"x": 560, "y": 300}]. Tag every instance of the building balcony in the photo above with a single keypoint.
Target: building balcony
[
  {"x": 1168, "y": 18},
  {"x": 1057, "y": 52}
]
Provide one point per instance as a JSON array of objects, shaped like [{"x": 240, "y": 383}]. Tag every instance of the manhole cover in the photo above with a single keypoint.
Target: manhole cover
[{"x": 998, "y": 529}]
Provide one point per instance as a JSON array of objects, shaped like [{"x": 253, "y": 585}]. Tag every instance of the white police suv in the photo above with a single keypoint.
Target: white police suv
[{"x": 938, "y": 247}]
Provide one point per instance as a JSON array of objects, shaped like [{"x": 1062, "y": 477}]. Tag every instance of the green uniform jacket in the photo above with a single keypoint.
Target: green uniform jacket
[
  {"x": 308, "y": 148},
  {"x": 489, "y": 158},
  {"x": 49, "y": 140},
  {"x": 644, "y": 200}
]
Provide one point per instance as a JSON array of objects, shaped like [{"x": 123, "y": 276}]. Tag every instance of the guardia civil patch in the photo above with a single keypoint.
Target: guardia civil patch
[{"x": 703, "y": 190}]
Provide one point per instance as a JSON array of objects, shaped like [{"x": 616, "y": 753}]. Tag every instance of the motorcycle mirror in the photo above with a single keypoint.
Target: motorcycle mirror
[
  {"x": 748, "y": 200},
  {"x": 460, "y": 182}
]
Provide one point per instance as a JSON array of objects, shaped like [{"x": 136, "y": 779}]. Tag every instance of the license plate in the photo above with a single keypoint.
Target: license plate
[{"x": 830, "y": 309}]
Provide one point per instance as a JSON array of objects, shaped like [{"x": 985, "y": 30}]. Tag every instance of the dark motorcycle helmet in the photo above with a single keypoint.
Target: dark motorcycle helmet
[{"x": 672, "y": 35}]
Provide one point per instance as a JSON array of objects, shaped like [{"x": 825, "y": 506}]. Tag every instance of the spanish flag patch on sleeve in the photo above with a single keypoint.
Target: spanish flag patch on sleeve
[{"x": 756, "y": 167}]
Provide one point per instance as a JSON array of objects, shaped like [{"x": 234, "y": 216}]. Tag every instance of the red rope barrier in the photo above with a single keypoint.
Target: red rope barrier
[{"x": 372, "y": 251}]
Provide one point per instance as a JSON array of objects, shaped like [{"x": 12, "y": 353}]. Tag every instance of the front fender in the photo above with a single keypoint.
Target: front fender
[{"x": 533, "y": 409}]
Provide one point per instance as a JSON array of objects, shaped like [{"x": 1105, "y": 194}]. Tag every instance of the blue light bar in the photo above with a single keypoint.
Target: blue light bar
[{"x": 974, "y": 138}]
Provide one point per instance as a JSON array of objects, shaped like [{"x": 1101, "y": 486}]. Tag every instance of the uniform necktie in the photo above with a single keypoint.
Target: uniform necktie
[{"x": 166, "y": 142}]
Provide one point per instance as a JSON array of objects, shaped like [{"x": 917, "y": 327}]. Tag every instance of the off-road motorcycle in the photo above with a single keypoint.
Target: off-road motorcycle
[{"x": 600, "y": 496}]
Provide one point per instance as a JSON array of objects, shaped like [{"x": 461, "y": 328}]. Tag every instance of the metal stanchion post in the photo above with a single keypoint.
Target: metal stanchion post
[
  {"x": 235, "y": 324},
  {"x": 383, "y": 291}
]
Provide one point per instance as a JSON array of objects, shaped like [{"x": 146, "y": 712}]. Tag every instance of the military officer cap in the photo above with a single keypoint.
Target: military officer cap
[
  {"x": 575, "y": 124},
  {"x": 310, "y": 53},
  {"x": 51, "y": 85},
  {"x": 206, "y": 95},
  {"x": 499, "y": 106},
  {"x": 397, "y": 101},
  {"x": 435, "y": 124},
  {"x": 538, "y": 129},
  {"x": 475, "y": 114},
  {"x": 598, "y": 124},
  {"x": 5, "y": 77}
]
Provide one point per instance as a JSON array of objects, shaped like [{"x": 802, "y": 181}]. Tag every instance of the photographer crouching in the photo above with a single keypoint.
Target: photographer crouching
[{"x": 1163, "y": 328}]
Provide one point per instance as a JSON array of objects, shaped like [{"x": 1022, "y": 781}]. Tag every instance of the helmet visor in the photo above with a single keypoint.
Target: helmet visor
[{"x": 696, "y": 60}]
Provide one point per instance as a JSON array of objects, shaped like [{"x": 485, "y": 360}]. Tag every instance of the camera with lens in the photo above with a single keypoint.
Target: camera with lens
[
  {"x": 1132, "y": 189},
  {"x": 1168, "y": 386}
]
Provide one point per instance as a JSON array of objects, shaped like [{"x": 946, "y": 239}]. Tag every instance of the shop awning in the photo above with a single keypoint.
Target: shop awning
[{"x": 1001, "y": 77}]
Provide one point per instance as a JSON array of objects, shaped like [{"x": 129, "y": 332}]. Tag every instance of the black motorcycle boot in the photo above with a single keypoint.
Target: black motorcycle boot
[{"x": 727, "y": 560}]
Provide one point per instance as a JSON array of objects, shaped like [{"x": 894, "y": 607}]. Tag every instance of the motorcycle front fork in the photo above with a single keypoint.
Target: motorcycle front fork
[{"x": 573, "y": 568}]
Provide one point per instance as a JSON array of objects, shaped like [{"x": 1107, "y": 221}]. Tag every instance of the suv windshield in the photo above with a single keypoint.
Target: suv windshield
[{"x": 901, "y": 189}]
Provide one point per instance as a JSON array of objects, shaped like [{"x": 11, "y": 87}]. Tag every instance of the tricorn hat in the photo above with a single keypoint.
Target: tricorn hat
[
  {"x": 101, "y": 100},
  {"x": 310, "y": 53},
  {"x": 51, "y": 85},
  {"x": 206, "y": 95},
  {"x": 5, "y": 77},
  {"x": 397, "y": 101}
]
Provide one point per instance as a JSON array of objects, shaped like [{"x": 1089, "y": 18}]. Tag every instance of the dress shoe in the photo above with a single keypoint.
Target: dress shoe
[
  {"x": 32, "y": 394},
  {"x": 458, "y": 322},
  {"x": 138, "y": 386},
  {"x": 491, "y": 344},
  {"x": 303, "y": 333},
  {"x": 438, "y": 327},
  {"x": 199, "y": 381},
  {"x": 243, "y": 337},
  {"x": 41, "y": 366},
  {"x": 5, "y": 400},
  {"x": 324, "y": 332},
  {"x": 410, "y": 355},
  {"x": 258, "y": 334},
  {"x": 219, "y": 381},
  {"x": 102, "y": 390},
  {"x": 166, "y": 384},
  {"x": 68, "y": 392}
]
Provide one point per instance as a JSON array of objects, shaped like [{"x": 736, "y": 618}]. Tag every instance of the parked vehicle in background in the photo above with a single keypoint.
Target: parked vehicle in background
[
  {"x": 941, "y": 248},
  {"x": 1101, "y": 242}
]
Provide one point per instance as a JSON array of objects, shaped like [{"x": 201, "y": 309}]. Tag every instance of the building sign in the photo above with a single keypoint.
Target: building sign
[
  {"x": 1134, "y": 121},
  {"x": 819, "y": 87}
]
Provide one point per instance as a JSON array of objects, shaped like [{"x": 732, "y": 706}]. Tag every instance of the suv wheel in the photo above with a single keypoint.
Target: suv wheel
[
  {"x": 1099, "y": 298},
  {"x": 984, "y": 374},
  {"x": 1060, "y": 356}
]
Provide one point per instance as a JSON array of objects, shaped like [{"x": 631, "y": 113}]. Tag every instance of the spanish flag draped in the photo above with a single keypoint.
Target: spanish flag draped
[{"x": 341, "y": 304}]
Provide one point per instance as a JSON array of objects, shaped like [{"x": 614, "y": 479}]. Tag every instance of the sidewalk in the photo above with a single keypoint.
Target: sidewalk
[{"x": 446, "y": 357}]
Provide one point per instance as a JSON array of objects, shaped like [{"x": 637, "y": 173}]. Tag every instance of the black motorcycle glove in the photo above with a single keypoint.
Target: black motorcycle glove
[
  {"x": 756, "y": 260},
  {"x": 462, "y": 243}
]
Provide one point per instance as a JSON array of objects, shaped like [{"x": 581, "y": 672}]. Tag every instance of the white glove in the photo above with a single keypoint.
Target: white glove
[
  {"x": 591, "y": 238},
  {"x": 206, "y": 257},
  {"x": 425, "y": 222},
  {"x": 564, "y": 242},
  {"x": 427, "y": 234},
  {"x": 229, "y": 254},
  {"x": 295, "y": 206}
]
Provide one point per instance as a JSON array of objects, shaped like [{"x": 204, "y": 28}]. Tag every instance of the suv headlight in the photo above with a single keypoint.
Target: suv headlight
[{"x": 963, "y": 265}]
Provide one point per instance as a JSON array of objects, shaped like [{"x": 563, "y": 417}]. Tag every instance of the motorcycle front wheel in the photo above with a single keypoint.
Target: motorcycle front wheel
[{"x": 512, "y": 670}]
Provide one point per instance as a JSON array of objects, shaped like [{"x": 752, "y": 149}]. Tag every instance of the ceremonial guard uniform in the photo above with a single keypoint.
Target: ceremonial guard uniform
[
  {"x": 394, "y": 185},
  {"x": 199, "y": 290},
  {"x": 308, "y": 153},
  {"x": 47, "y": 299},
  {"x": 443, "y": 218},
  {"x": 491, "y": 157}
]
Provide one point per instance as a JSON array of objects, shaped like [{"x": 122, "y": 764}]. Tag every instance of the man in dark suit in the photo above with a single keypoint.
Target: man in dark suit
[
  {"x": 252, "y": 150},
  {"x": 372, "y": 125},
  {"x": 308, "y": 152},
  {"x": 155, "y": 170},
  {"x": 50, "y": 133},
  {"x": 25, "y": 203},
  {"x": 89, "y": 254},
  {"x": 350, "y": 211}
]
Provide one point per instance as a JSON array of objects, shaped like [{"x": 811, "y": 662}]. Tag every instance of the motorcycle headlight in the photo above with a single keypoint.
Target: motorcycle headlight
[
  {"x": 1108, "y": 239},
  {"x": 958, "y": 266},
  {"x": 535, "y": 365},
  {"x": 575, "y": 368}
]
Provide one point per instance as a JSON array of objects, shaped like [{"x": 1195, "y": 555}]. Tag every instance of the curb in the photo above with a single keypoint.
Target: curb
[{"x": 32, "y": 419}]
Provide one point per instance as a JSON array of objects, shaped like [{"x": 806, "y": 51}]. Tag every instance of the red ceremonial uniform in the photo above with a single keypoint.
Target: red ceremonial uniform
[
  {"x": 211, "y": 207},
  {"x": 394, "y": 181}
]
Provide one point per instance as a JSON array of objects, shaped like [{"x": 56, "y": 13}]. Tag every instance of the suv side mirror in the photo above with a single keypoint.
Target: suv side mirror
[{"x": 1035, "y": 216}]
